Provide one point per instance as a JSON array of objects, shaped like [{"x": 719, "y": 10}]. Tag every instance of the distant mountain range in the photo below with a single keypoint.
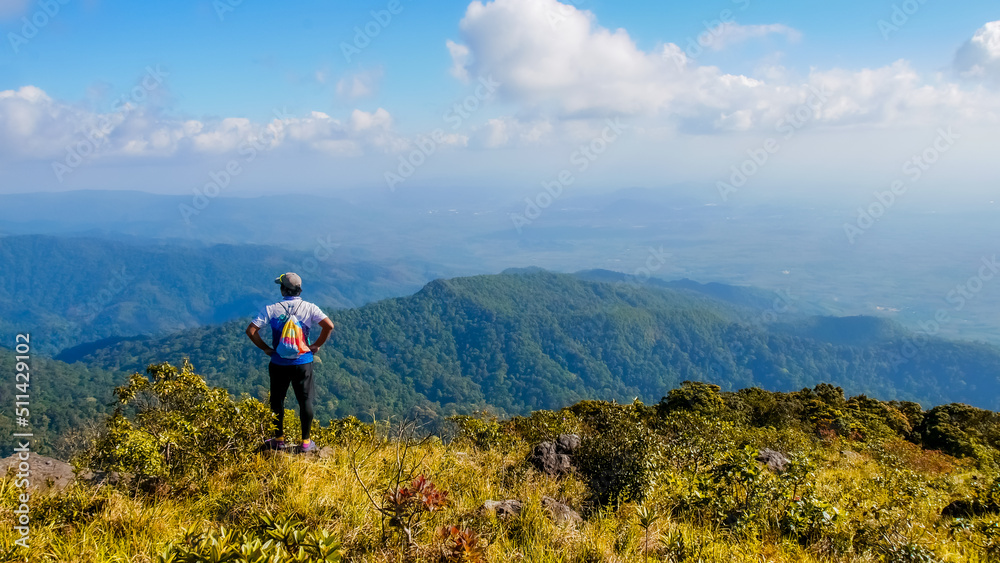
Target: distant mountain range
[
  {"x": 526, "y": 340},
  {"x": 902, "y": 268},
  {"x": 78, "y": 290}
]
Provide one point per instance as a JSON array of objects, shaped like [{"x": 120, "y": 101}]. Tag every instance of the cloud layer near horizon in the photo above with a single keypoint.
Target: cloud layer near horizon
[{"x": 35, "y": 126}]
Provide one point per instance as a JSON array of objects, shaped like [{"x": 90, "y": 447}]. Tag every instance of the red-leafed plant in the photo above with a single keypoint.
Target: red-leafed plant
[
  {"x": 409, "y": 496},
  {"x": 460, "y": 545},
  {"x": 406, "y": 505}
]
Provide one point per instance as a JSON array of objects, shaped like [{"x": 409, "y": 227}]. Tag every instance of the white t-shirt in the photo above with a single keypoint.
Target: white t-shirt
[{"x": 274, "y": 315}]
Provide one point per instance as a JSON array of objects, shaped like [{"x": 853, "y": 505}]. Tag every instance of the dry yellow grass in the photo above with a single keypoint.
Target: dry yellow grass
[{"x": 112, "y": 525}]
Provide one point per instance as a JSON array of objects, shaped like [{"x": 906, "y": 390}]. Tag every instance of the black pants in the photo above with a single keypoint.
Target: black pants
[{"x": 301, "y": 378}]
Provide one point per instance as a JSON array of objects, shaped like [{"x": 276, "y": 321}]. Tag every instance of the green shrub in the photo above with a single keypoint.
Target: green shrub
[
  {"x": 739, "y": 491},
  {"x": 692, "y": 396},
  {"x": 482, "y": 433},
  {"x": 759, "y": 408},
  {"x": 961, "y": 431},
  {"x": 874, "y": 420},
  {"x": 174, "y": 428},
  {"x": 693, "y": 441},
  {"x": 620, "y": 457},
  {"x": 342, "y": 432},
  {"x": 543, "y": 426}
]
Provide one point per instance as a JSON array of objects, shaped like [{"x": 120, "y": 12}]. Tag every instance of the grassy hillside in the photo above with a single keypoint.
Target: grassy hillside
[
  {"x": 513, "y": 343},
  {"x": 857, "y": 480}
]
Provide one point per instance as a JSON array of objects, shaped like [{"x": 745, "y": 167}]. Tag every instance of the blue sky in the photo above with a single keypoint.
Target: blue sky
[{"x": 262, "y": 59}]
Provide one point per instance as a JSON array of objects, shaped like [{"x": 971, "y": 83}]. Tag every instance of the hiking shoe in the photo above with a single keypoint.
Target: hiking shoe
[
  {"x": 307, "y": 447},
  {"x": 274, "y": 444}
]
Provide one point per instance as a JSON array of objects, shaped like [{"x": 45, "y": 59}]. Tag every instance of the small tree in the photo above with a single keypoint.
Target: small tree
[
  {"x": 172, "y": 427},
  {"x": 692, "y": 396}
]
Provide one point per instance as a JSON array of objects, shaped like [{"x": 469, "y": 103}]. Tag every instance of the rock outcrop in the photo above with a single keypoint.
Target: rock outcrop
[{"x": 555, "y": 458}]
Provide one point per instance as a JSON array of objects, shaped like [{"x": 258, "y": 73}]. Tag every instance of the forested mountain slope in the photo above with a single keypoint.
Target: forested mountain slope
[
  {"x": 517, "y": 342},
  {"x": 78, "y": 290}
]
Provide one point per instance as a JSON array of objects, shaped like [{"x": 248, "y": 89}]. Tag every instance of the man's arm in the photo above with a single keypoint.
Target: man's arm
[
  {"x": 252, "y": 330},
  {"x": 326, "y": 326}
]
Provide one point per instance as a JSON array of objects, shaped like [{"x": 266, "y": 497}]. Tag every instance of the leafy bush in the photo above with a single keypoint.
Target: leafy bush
[
  {"x": 961, "y": 431},
  {"x": 482, "y": 433},
  {"x": 759, "y": 408},
  {"x": 808, "y": 518},
  {"x": 739, "y": 491},
  {"x": 543, "y": 426},
  {"x": 874, "y": 419},
  {"x": 620, "y": 457},
  {"x": 173, "y": 428},
  {"x": 344, "y": 431},
  {"x": 692, "y": 396},
  {"x": 693, "y": 441}
]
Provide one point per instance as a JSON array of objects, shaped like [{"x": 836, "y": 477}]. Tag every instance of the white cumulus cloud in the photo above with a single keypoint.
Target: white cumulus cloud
[
  {"x": 510, "y": 131},
  {"x": 35, "y": 126},
  {"x": 979, "y": 58},
  {"x": 579, "y": 69}
]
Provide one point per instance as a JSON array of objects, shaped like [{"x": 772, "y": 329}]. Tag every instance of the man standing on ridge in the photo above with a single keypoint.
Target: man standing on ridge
[{"x": 291, "y": 354}]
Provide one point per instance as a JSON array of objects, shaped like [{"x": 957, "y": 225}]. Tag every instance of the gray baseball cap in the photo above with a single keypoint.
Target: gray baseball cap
[{"x": 290, "y": 281}]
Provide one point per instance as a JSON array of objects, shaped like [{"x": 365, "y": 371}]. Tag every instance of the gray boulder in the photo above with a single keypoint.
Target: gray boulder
[
  {"x": 775, "y": 460},
  {"x": 567, "y": 443},
  {"x": 547, "y": 459},
  {"x": 561, "y": 513},
  {"x": 555, "y": 458}
]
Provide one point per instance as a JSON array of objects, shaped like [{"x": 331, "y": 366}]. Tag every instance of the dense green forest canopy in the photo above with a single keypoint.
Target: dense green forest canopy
[
  {"x": 80, "y": 290},
  {"x": 516, "y": 342},
  {"x": 64, "y": 401}
]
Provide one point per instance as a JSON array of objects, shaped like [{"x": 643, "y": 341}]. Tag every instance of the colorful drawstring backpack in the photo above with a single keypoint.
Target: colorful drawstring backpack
[{"x": 293, "y": 338}]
